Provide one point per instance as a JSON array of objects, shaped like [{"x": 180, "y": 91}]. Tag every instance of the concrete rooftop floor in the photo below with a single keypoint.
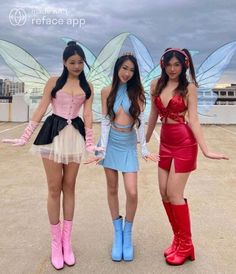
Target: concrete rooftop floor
[{"x": 24, "y": 229}]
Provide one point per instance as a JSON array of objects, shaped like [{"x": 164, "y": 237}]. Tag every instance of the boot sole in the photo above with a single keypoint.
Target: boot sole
[
  {"x": 187, "y": 259},
  {"x": 57, "y": 268},
  {"x": 69, "y": 264}
]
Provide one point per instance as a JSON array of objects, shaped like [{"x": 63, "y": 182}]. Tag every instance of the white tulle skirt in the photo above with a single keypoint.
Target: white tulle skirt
[{"x": 68, "y": 146}]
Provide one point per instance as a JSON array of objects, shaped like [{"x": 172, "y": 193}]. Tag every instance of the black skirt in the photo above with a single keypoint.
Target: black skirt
[{"x": 53, "y": 125}]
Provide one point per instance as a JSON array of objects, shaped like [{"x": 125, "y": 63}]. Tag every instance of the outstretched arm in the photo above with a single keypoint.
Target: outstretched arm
[
  {"x": 37, "y": 116},
  {"x": 195, "y": 125}
]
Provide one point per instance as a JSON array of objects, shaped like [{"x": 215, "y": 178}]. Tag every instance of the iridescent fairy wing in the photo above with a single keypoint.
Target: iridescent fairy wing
[
  {"x": 27, "y": 70},
  {"x": 143, "y": 56},
  {"x": 210, "y": 72},
  {"x": 90, "y": 56},
  {"x": 153, "y": 74},
  {"x": 146, "y": 65},
  {"x": 102, "y": 67}
]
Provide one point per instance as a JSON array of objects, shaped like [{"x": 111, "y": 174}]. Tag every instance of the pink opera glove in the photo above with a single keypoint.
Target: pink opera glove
[
  {"x": 24, "y": 139},
  {"x": 89, "y": 143}
]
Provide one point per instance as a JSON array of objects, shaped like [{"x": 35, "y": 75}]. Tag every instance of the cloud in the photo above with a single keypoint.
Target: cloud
[{"x": 197, "y": 25}]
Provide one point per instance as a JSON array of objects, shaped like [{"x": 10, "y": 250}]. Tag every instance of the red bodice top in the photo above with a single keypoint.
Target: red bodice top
[{"x": 173, "y": 110}]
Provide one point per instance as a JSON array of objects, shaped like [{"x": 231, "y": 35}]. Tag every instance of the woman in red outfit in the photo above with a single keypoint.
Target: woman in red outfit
[{"x": 174, "y": 98}]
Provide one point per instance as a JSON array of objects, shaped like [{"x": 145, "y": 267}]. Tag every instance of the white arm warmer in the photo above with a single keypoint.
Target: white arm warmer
[
  {"x": 141, "y": 135},
  {"x": 105, "y": 129}
]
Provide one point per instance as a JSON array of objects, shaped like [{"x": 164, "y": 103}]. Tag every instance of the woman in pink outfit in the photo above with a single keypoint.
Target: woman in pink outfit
[{"x": 61, "y": 142}]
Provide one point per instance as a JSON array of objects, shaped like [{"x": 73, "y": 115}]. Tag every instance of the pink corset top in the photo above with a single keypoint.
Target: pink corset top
[{"x": 66, "y": 105}]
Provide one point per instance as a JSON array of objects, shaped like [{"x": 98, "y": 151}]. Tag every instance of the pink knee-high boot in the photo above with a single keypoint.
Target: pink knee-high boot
[
  {"x": 68, "y": 254},
  {"x": 56, "y": 247},
  {"x": 172, "y": 248}
]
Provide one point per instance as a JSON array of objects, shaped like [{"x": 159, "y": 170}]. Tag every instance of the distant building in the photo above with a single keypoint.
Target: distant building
[
  {"x": 1, "y": 87},
  {"x": 226, "y": 96},
  {"x": 9, "y": 88}
]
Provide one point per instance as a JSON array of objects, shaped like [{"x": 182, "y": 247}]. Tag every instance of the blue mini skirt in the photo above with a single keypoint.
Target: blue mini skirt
[{"x": 121, "y": 151}]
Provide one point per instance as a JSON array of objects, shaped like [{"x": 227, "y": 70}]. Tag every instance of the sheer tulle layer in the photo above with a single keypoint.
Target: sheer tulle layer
[{"x": 68, "y": 146}]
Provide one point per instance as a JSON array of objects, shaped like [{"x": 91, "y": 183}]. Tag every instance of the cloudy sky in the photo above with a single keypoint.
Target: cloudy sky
[{"x": 197, "y": 25}]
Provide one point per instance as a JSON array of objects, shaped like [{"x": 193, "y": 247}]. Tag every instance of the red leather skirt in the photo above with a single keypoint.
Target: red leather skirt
[{"x": 178, "y": 143}]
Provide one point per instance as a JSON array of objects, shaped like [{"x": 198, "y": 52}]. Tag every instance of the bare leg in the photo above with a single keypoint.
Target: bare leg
[
  {"x": 112, "y": 192},
  {"x": 162, "y": 180},
  {"x": 68, "y": 188},
  {"x": 54, "y": 179},
  {"x": 175, "y": 191},
  {"x": 130, "y": 180},
  {"x": 175, "y": 186}
]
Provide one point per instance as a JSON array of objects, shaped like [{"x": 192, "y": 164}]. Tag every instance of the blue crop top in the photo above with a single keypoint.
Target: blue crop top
[{"x": 122, "y": 99}]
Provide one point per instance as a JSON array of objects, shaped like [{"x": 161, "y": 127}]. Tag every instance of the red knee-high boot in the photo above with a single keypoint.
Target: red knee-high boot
[
  {"x": 172, "y": 248},
  {"x": 185, "y": 248}
]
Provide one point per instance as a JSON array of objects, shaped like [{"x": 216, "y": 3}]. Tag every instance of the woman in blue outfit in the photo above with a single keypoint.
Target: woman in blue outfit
[{"x": 122, "y": 108}]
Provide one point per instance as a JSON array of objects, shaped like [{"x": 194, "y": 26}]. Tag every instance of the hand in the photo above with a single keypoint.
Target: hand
[
  {"x": 153, "y": 157},
  {"x": 216, "y": 156},
  {"x": 92, "y": 148},
  {"x": 95, "y": 160},
  {"x": 15, "y": 142}
]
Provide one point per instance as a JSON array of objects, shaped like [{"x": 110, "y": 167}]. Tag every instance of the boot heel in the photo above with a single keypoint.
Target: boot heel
[{"x": 192, "y": 256}]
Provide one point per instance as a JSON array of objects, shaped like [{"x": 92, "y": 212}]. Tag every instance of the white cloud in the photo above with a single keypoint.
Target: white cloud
[{"x": 199, "y": 25}]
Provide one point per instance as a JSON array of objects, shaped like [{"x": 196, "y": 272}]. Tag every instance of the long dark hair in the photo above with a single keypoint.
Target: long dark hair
[
  {"x": 183, "y": 81},
  {"x": 72, "y": 49},
  {"x": 135, "y": 90}
]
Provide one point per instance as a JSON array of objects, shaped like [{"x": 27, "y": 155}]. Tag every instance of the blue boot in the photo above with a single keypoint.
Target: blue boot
[
  {"x": 128, "y": 250},
  {"x": 116, "y": 254}
]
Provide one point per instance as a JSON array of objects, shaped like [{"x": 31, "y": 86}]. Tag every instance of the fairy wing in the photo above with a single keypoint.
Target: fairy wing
[
  {"x": 143, "y": 56},
  {"x": 210, "y": 72},
  {"x": 27, "y": 70}
]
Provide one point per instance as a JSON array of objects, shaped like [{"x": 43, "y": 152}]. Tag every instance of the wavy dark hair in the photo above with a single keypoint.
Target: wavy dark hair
[
  {"x": 72, "y": 49},
  {"x": 135, "y": 90},
  {"x": 183, "y": 81}
]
